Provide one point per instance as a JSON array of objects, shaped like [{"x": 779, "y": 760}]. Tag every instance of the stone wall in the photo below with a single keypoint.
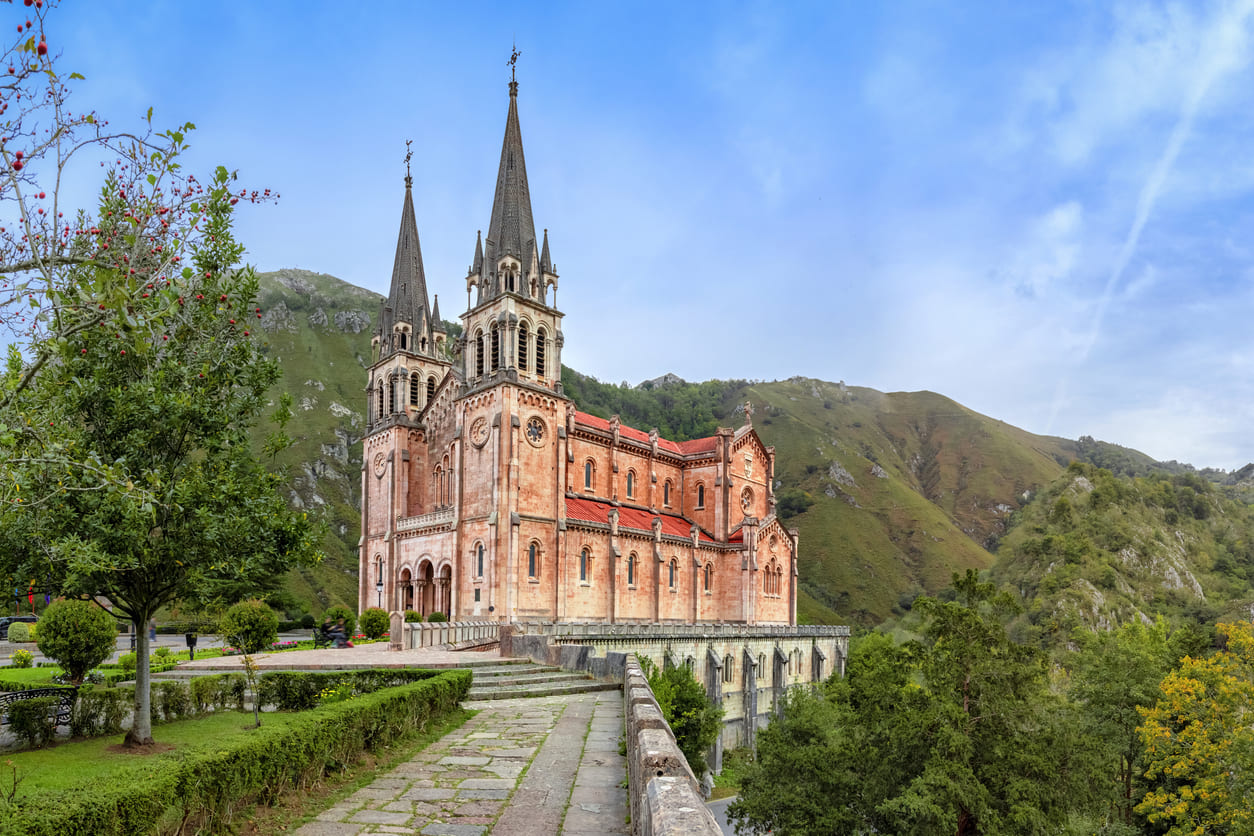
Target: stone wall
[
  {"x": 745, "y": 669},
  {"x": 664, "y": 795}
]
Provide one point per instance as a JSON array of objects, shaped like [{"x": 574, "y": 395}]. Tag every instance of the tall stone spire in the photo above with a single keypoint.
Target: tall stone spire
[
  {"x": 407, "y": 299},
  {"x": 511, "y": 231}
]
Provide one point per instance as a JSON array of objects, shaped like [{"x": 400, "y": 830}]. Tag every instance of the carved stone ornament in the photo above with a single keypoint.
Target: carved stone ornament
[
  {"x": 479, "y": 432},
  {"x": 380, "y": 463}
]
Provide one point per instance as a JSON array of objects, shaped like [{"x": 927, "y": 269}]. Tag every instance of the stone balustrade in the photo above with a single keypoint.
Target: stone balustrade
[
  {"x": 453, "y": 634},
  {"x": 664, "y": 795},
  {"x": 445, "y": 516}
]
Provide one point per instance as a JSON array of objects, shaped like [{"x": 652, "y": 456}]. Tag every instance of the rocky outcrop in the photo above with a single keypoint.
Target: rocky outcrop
[{"x": 352, "y": 322}]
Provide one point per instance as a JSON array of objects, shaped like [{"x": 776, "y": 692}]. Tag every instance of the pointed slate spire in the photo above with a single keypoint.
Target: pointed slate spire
[
  {"x": 511, "y": 230},
  {"x": 407, "y": 298},
  {"x": 436, "y": 322},
  {"x": 546, "y": 264},
  {"x": 476, "y": 267}
]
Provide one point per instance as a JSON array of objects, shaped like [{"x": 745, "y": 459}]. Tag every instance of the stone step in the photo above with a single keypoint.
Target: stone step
[
  {"x": 539, "y": 679},
  {"x": 580, "y": 686},
  {"x": 471, "y": 663}
]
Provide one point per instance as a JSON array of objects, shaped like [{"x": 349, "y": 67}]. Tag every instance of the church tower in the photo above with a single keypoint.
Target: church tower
[{"x": 410, "y": 365}]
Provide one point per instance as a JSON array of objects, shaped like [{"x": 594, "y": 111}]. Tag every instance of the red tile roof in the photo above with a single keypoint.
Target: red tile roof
[
  {"x": 590, "y": 510},
  {"x": 696, "y": 445}
]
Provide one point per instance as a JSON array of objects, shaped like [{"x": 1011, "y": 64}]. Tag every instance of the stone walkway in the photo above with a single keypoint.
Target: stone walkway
[{"x": 522, "y": 767}]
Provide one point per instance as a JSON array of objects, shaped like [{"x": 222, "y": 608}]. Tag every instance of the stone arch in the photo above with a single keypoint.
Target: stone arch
[
  {"x": 425, "y": 586},
  {"x": 407, "y": 588}
]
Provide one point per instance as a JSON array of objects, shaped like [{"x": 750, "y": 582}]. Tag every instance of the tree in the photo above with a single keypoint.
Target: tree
[
  {"x": 694, "y": 719},
  {"x": 1199, "y": 745},
  {"x": 252, "y": 627},
  {"x": 953, "y": 734},
  {"x": 126, "y": 404},
  {"x": 374, "y": 623},
  {"x": 78, "y": 635}
]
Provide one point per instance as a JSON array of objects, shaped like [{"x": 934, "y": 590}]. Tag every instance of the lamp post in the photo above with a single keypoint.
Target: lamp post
[{"x": 379, "y": 588}]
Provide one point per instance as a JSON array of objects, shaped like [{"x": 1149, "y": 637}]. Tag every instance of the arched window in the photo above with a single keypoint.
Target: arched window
[
  {"x": 540, "y": 352},
  {"x": 403, "y": 340},
  {"x": 767, "y": 577},
  {"x": 478, "y": 353},
  {"x": 587, "y": 475},
  {"x": 392, "y": 395},
  {"x": 379, "y": 399},
  {"x": 496, "y": 347},
  {"x": 631, "y": 569},
  {"x": 480, "y": 563},
  {"x": 631, "y": 484},
  {"x": 524, "y": 337},
  {"x": 666, "y": 492},
  {"x": 430, "y": 388},
  {"x": 583, "y": 565},
  {"x": 532, "y": 568},
  {"x": 671, "y": 579},
  {"x": 414, "y": 389},
  {"x": 700, "y": 496},
  {"x": 729, "y": 670},
  {"x": 708, "y": 572}
]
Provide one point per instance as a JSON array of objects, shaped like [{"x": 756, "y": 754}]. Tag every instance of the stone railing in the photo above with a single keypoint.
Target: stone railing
[
  {"x": 663, "y": 793},
  {"x": 452, "y": 634},
  {"x": 445, "y": 516}
]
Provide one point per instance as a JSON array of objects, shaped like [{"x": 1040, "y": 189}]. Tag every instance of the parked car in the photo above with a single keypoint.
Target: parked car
[{"x": 5, "y": 621}]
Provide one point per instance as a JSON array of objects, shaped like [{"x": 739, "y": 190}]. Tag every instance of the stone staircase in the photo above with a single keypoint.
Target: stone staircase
[{"x": 521, "y": 680}]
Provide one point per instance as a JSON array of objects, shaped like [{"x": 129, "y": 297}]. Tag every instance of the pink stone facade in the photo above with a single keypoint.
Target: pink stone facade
[{"x": 488, "y": 495}]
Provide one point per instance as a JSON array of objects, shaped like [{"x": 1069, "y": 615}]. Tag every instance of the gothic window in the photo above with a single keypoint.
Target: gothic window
[
  {"x": 392, "y": 395},
  {"x": 532, "y": 568},
  {"x": 478, "y": 353},
  {"x": 708, "y": 571},
  {"x": 402, "y": 339},
  {"x": 587, "y": 475},
  {"x": 631, "y": 569},
  {"x": 631, "y": 484},
  {"x": 729, "y": 670},
  {"x": 523, "y": 338},
  {"x": 700, "y": 496},
  {"x": 666, "y": 492},
  {"x": 509, "y": 281},
  {"x": 767, "y": 578},
  {"x": 584, "y": 560},
  {"x": 496, "y": 348},
  {"x": 445, "y": 491},
  {"x": 424, "y": 345},
  {"x": 671, "y": 578},
  {"x": 379, "y": 399},
  {"x": 540, "y": 353},
  {"x": 414, "y": 389},
  {"x": 479, "y": 564},
  {"x": 437, "y": 478},
  {"x": 430, "y": 388}
]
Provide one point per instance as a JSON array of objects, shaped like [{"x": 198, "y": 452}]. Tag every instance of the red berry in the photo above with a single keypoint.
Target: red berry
[
  {"x": 43, "y": 48},
  {"x": 30, "y": 2},
  {"x": 223, "y": 296},
  {"x": 165, "y": 336},
  {"x": 84, "y": 351},
  {"x": 232, "y": 322},
  {"x": 124, "y": 352},
  {"x": 245, "y": 333},
  {"x": 42, "y": 195},
  {"x": 17, "y": 165}
]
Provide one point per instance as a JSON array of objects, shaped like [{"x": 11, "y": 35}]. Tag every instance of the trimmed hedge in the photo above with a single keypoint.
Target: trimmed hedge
[
  {"x": 295, "y": 691},
  {"x": 34, "y": 721},
  {"x": 209, "y": 787}
]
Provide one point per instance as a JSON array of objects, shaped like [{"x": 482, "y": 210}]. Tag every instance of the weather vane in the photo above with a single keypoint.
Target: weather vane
[
  {"x": 409, "y": 153},
  {"x": 513, "y": 62}
]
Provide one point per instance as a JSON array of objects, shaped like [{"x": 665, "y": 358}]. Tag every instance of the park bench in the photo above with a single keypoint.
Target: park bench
[
  {"x": 63, "y": 709},
  {"x": 321, "y": 638}
]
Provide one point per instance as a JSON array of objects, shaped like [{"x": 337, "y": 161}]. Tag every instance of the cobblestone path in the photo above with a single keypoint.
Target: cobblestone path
[{"x": 524, "y": 767}]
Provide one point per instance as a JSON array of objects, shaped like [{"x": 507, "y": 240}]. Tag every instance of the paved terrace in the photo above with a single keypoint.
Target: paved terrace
[
  {"x": 522, "y": 767},
  {"x": 374, "y": 655}
]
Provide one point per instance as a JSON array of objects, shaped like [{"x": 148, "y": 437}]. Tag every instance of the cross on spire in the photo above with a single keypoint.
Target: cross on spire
[
  {"x": 409, "y": 153},
  {"x": 513, "y": 62}
]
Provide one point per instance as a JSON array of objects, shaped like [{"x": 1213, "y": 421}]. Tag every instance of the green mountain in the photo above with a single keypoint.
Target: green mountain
[{"x": 892, "y": 493}]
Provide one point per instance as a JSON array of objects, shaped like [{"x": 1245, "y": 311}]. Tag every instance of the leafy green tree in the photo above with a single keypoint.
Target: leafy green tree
[
  {"x": 953, "y": 734},
  {"x": 252, "y": 627},
  {"x": 78, "y": 635},
  {"x": 1115, "y": 675},
  {"x": 127, "y": 401},
  {"x": 374, "y": 623},
  {"x": 694, "y": 719}
]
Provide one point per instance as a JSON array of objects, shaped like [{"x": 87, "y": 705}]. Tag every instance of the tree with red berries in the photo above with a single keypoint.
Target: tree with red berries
[{"x": 129, "y": 395}]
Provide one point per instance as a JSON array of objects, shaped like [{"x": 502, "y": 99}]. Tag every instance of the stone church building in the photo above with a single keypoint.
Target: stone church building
[{"x": 487, "y": 495}]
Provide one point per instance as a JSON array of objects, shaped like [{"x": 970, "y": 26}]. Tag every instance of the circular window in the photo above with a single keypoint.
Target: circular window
[
  {"x": 746, "y": 500},
  {"x": 535, "y": 430}
]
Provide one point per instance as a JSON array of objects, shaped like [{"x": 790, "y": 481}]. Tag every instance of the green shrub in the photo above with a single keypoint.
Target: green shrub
[
  {"x": 307, "y": 621},
  {"x": 413, "y": 617},
  {"x": 340, "y": 611},
  {"x": 208, "y": 788},
  {"x": 21, "y": 658},
  {"x": 100, "y": 710},
  {"x": 374, "y": 623},
  {"x": 128, "y": 662},
  {"x": 160, "y": 652},
  {"x": 694, "y": 719},
  {"x": 436, "y": 617},
  {"x": 19, "y": 631},
  {"x": 299, "y": 691},
  {"x": 221, "y": 692},
  {"x": 34, "y": 721},
  {"x": 251, "y": 626}
]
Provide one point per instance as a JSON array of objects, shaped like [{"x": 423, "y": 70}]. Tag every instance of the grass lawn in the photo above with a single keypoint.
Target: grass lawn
[
  {"x": 30, "y": 674},
  {"x": 65, "y": 765}
]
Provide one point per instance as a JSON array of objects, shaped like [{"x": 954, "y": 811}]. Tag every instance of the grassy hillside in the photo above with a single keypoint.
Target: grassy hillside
[
  {"x": 319, "y": 328},
  {"x": 1097, "y": 550}
]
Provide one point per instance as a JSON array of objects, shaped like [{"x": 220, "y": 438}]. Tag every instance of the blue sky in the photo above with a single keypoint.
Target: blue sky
[{"x": 1043, "y": 211}]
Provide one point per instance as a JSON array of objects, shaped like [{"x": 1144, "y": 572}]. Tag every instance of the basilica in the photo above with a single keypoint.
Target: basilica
[{"x": 486, "y": 494}]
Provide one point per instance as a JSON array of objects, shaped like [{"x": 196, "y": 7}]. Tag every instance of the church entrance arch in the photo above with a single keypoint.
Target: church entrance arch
[
  {"x": 407, "y": 589},
  {"x": 426, "y": 588}
]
